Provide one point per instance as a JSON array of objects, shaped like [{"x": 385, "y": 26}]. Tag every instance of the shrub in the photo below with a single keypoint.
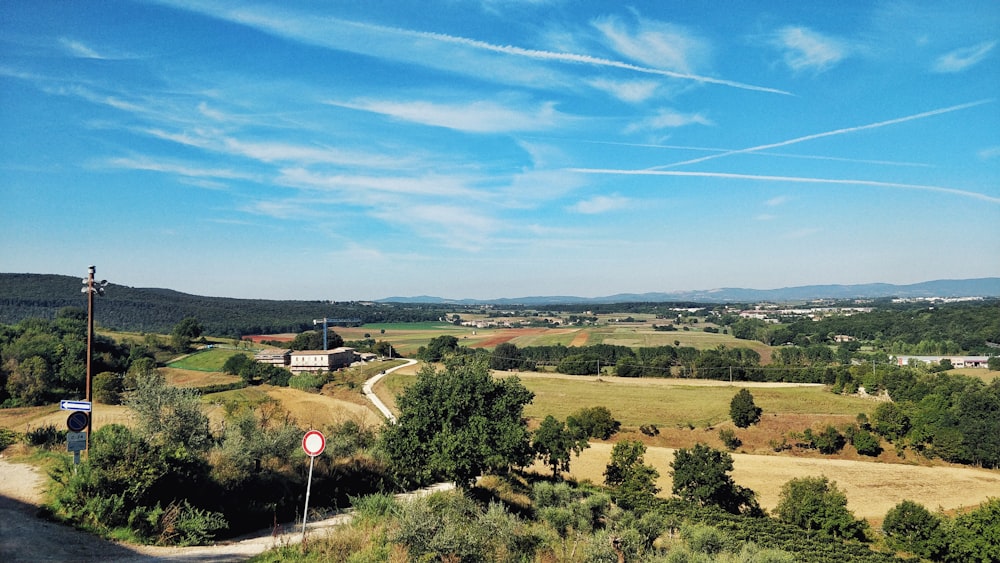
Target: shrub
[
  {"x": 866, "y": 443},
  {"x": 45, "y": 436},
  {"x": 8, "y": 437},
  {"x": 729, "y": 438},
  {"x": 649, "y": 429},
  {"x": 307, "y": 381}
]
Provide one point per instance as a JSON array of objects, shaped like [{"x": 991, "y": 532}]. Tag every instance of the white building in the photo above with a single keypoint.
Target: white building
[{"x": 321, "y": 360}]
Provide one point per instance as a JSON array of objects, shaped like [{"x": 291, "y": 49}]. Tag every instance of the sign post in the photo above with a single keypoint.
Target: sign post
[{"x": 313, "y": 443}]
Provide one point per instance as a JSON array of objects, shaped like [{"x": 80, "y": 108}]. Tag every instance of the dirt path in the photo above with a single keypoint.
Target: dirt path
[{"x": 26, "y": 537}]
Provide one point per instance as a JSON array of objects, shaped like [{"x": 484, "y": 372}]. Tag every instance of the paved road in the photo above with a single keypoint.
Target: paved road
[{"x": 370, "y": 393}]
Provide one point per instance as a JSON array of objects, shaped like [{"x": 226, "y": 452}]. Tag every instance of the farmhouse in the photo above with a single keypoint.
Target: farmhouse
[
  {"x": 275, "y": 357},
  {"x": 321, "y": 360},
  {"x": 956, "y": 361}
]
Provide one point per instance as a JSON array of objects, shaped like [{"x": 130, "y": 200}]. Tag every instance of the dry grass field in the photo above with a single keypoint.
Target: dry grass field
[{"x": 872, "y": 488}]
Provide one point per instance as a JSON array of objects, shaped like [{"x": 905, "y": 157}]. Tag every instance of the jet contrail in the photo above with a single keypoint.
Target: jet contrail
[
  {"x": 788, "y": 179},
  {"x": 826, "y": 134}
]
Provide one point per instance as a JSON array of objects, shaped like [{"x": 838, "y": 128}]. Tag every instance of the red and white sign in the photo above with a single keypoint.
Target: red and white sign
[{"x": 313, "y": 443}]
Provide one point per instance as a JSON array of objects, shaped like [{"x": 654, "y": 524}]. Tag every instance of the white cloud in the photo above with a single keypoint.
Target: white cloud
[
  {"x": 989, "y": 153},
  {"x": 653, "y": 43},
  {"x": 78, "y": 49},
  {"x": 600, "y": 204},
  {"x": 668, "y": 118},
  {"x": 961, "y": 59},
  {"x": 472, "y": 117},
  {"x": 775, "y": 201},
  {"x": 631, "y": 91},
  {"x": 808, "y": 50}
]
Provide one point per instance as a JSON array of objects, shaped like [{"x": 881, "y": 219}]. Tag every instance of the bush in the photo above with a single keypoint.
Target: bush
[
  {"x": 45, "y": 436},
  {"x": 307, "y": 381},
  {"x": 8, "y": 437},
  {"x": 866, "y": 443},
  {"x": 729, "y": 438}
]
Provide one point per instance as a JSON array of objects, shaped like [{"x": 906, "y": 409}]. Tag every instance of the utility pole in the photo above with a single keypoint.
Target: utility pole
[{"x": 91, "y": 290}]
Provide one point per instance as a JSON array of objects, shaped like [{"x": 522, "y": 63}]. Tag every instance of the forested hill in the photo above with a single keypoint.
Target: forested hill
[{"x": 158, "y": 310}]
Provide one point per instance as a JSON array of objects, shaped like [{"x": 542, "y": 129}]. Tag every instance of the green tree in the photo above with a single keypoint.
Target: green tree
[
  {"x": 815, "y": 503},
  {"x": 506, "y": 356},
  {"x": 30, "y": 380},
  {"x": 993, "y": 363},
  {"x": 184, "y": 333},
  {"x": 701, "y": 475},
  {"x": 438, "y": 348},
  {"x": 554, "y": 443},
  {"x": 866, "y": 443},
  {"x": 458, "y": 423},
  {"x": 975, "y": 536},
  {"x": 891, "y": 421},
  {"x": 593, "y": 422},
  {"x": 169, "y": 416},
  {"x": 107, "y": 388},
  {"x": 743, "y": 410},
  {"x": 909, "y": 526},
  {"x": 633, "y": 481}
]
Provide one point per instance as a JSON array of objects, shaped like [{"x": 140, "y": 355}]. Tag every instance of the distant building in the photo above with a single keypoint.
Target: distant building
[
  {"x": 303, "y": 361},
  {"x": 956, "y": 361},
  {"x": 275, "y": 357}
]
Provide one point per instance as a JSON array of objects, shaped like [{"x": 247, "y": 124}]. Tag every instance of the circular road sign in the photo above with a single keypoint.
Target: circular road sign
[
  {"x": 77, "y": 421},
  {"x": 313, "y": 443}
]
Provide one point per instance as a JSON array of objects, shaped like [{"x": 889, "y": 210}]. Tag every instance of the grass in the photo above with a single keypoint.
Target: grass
[
  {"x": 211, "y": 359},
  {"x": 664, "y": 402}
]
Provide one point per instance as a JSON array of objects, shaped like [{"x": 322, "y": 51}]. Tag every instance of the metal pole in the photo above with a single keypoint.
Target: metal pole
[
  {"x": 90, "y": 350},
  {"x": 305, "y": 511}
]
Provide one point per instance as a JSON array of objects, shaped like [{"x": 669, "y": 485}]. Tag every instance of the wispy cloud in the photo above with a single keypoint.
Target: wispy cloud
[
  {"x": 668, "y": 118},
  {"x": 655, "y": 44},
  {"x": 472, "y": 117},
  {"x": 178, "y": 169},
  {"x": 775, "y": 201},
  {"x": 78, "y": 49},
  {"x": 808, "y": 50},
  {"x": 600, "y": 204},
  {"x": 791, "y": 179},
  {"x": 631, "y": 91},
  {"x": 833, "y": 133},
  {"x": 415, "y": 45},
  {"x": 989, "y": 153},
  {"x": 961, "y": 59}
]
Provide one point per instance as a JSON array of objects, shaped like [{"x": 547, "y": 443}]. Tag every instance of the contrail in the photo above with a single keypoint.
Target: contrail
[
  {"x": 826, "y": 134},
  {"x": 788, "y": 179},
  {"x": 576, "y": 58},
  {"x": 303, "y": 29},
  {"x": 721, "y": 150}
]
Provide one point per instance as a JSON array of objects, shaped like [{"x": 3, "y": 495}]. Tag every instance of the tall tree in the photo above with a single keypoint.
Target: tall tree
[
  {"x": 633, "y": 481},
  {"x": 743, "y": 410},
  {"x": 554, "y": 443},
  {"x": 815, "y": 503},
  {"x": 457, "y": 423},
  {"x": 701, "y": 475}
]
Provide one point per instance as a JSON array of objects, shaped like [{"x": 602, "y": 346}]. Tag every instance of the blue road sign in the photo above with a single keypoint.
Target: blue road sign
[
  {"x": 75, "y": 405},
  {"x": 77, "y": 421}
]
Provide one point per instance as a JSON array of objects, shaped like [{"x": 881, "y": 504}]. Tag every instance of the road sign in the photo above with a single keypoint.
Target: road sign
[
  {"x": 75, "y": 406},
  {"x": 313, "y": 443},
  {"x": 77, "y": 421},
  {"x": 76, "y": 441}
]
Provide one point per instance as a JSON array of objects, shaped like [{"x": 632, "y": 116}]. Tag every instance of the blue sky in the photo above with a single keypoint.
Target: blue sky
[{"x": 360, "y": 150}]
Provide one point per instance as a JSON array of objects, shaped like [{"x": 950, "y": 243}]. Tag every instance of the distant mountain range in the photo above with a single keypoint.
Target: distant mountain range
[{"x": 981, "y": 287}]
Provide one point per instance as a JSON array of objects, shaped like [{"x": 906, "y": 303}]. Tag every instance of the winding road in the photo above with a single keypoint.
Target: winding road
[{"x": 369, "y": 392}]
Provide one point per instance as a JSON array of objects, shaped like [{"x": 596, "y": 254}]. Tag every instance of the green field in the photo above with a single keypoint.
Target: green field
[
  {"x": 664, "y": 402},
  {"x": 211, "y": 359}
]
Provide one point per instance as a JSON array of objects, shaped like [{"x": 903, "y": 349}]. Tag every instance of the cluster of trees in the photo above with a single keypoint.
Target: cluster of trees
[
  {"x": 42, "y": 361},
  {"x": 952, "y": 417},
  {"x": 949, "y": 328}
]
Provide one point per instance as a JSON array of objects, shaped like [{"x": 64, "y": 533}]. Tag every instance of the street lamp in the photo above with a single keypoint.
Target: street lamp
[{"x": 91, "y": 290}]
